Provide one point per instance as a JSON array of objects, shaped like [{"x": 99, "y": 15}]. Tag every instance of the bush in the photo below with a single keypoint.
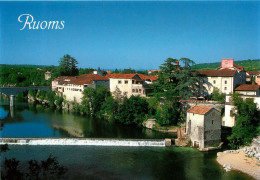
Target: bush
[
  {"x": 132, "y": 111},
  {"x": 247, "y": 122}
]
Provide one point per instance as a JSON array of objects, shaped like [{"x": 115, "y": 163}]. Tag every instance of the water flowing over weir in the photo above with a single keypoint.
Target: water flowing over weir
[{"x": 83, "y": 141}]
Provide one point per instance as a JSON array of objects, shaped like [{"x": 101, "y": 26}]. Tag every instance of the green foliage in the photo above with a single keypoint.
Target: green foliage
[
  {"x": 68, "y": 66},
  {"x": 3, "y": 148},
  {"x": 217, "y": 96},
  {"x": 153, "y": 105},
  {"x": 188, "y": 82},
  {"x": 23, "y": 75},
  {"x": 93, "y": 100},
  {"x": 85, "y": 71},
  {"x": 47, "y": 169},
  {"x": 249, "y": 65},
  {"x": 247, "y": 122},
  {"x": 109, "y": 108},
  {"x": 132, "y": 110},
  {"x": 168, "y": 113}
]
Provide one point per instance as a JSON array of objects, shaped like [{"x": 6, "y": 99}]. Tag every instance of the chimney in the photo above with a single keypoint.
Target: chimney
[
  {"x": 227, "y": 63},
  {"x": 177, "y": 63}
]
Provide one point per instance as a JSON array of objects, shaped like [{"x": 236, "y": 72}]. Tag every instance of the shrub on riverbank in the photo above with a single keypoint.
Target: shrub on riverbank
[{"x": 247, "y": 122}]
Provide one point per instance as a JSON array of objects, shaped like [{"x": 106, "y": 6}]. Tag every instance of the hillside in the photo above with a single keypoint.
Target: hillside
[{"x": 249, "y": 65}]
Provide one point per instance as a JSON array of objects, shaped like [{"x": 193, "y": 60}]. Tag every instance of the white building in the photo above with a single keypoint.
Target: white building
[
  {"x": 225, "y": 78},
  {"x": 253, "y": 74},
  {"x": 246, "y": 91},
  {"x": 72, "y": 87},
  {"x": 203, "y": 126},
  {"x": 130, "y": 84},
  {"x": 98, "y": 71}
]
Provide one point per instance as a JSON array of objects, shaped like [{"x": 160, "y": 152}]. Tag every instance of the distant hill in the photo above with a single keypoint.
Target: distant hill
[{"x": 249, "y": 65}]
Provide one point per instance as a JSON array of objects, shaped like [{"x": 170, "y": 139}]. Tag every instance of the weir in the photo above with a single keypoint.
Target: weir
[{"x": 83, "y": 141}]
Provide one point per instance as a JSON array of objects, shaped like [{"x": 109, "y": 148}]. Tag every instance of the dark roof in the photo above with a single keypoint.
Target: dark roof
[
  {"x": 218, "y": 73},
  {"x": 199, "y": 109},
  {"x": 248, "y": 87},
  {"x": 80, "y": 80}
]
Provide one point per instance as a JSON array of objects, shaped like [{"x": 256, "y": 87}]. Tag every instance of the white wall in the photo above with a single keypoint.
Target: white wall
[{"x": 126, "y": 88}]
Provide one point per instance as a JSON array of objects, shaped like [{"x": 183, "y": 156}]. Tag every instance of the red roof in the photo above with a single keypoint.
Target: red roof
[
  {"x": 199, "y": 109},
  {"x": 241, "y": 68},
  {"x": 80, "y": 80},
  {"x": 248, "y": 87},
  {"x": 145, "y": 77},
  {"x": 131, "y": 76},
  {"x": 121, "y": 76},
  {"x": 253, "y": 72},
  {"x": 218, "y": 73}
]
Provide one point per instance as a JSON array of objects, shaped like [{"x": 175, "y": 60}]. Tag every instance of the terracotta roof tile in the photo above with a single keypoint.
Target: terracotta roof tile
[
  {"x": 218, "y": 73},
  {"x": 241, "y": 68},
  {"x": 145, "y": 77},
  {"x": 253, "y": 72},
  {"x": 199, "y": 109},
  {"x": 121, "y": 76},
  {"x": 80, "y": 80},
  {"x": 248, "y": 87}
]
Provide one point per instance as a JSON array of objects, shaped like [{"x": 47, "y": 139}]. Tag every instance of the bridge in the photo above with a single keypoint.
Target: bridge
[{"x": 14, "y": 91}]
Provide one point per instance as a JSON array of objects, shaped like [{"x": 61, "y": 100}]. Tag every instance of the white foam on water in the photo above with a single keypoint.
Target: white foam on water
[{"x": 85, "y": 142}]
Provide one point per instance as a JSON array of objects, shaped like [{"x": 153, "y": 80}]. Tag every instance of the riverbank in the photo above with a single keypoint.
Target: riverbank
[
  {"x": 246, "y": 159},
  {"x": 239, "y": 161}
]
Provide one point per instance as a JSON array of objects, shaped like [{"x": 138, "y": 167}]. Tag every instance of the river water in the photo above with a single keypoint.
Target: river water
[{"x": 99, "y": 162}]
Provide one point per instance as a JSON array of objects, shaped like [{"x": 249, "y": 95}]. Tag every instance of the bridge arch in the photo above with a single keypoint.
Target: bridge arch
[{"x": 11, "y": 92}]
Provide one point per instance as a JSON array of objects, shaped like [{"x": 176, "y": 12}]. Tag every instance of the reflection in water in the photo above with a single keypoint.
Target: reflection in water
[
  {"x": 30, "y": 120},
  {"x": 95, "y": 162},
  {"x": 12, "y": 111}
]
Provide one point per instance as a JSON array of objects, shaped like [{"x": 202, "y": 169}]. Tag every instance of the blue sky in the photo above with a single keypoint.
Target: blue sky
[{"x": 140, "y": 35}]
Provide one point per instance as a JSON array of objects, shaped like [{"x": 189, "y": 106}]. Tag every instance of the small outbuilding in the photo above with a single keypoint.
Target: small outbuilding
[
  {"x": 203, "y": 126},
  {"x": 47, "y": 75},
  {"x": 150, "y": 123}
]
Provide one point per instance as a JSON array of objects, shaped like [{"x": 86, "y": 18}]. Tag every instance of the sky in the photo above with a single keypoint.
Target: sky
[{"x": 139, "y": 35}]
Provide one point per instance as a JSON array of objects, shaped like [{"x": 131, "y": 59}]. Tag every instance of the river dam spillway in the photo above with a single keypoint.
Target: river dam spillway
[{"x": 83, "y": 141}]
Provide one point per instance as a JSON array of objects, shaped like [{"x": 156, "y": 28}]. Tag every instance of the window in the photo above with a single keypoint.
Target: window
[
  {"x": 225, "y": 82},
  {"x": 225, "y": 88},
  {"x": 133, "y": 90},
  {"x": 212, "y": 121},
  {"x": 231, "y": 112},
  {"x": 126, "y": 81},
  {"x": 140, "y": 90},
  {"x": 214, "y": 82},
  {"x": 119, "y": 81}
]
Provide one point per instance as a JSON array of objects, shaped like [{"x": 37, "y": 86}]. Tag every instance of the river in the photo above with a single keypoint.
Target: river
[{"x": 96, "y": 162}]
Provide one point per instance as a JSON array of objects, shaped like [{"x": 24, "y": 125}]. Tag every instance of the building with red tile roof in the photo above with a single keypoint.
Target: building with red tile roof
[
  {"x": 199, "y": 109},
  {"x": 229, "y": 64},
  {"x": 224, "y": 78},
  {"x": 253, "y": 75},
  {"x": 71, "y": 87},
  {"x": 130, "y": 84},
  {"x": 203, "y": 126},
  {"x": 248, "y": 89}
]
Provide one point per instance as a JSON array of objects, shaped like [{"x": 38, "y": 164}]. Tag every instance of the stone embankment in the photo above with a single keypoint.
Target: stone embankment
[{"x": 246, "y": 159}]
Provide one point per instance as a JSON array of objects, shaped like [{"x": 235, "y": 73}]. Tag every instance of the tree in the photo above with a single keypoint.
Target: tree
[
  {"x": 217, "y": 96},
  {"x": 93, "y": 99},
  {"x": 247, "y": 121},
  {"x": 188, "y": 81},
  {"x": 132, "y": 111},
  {"x": 68, "y": 66}
]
